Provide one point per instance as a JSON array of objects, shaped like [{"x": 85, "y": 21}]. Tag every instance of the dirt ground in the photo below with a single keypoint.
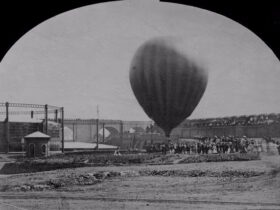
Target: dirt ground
[{"x": 138, "y": 190}]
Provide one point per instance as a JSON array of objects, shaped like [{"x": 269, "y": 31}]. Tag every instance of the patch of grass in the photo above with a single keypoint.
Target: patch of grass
[
  {"x": 221, "y": 157},
  {"x": 202, "y": 173},
  {"x": 82, "y": 160},
  {"x": 36, "y": 166}
]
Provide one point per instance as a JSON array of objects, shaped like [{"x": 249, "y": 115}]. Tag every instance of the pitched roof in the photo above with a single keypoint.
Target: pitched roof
[{"x": 37, "y": 134}]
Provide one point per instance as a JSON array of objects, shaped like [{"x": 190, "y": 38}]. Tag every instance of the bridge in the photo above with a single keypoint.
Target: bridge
[{"x": 85, "y": 130}]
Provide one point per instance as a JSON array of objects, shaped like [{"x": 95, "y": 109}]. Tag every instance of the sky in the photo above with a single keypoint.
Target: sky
[{"x": 80, "y": 59}]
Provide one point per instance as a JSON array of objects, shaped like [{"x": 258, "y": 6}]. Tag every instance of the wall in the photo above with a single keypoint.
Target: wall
[
  {"x": 38, "y": 143},
  {"x": 256, "y": 131},
  {"x": 17, "y": 131},
  {"x": 86, "y": 130},
  {"x": 133, "y": 141},
  {"x": 82, "y": 130},
  {"x": 139, "y": 140},
  {"x": 3, "y": 143}
]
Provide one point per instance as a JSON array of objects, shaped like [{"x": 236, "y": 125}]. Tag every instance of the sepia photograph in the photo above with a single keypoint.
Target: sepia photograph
[{"x": 140, "y": 104}]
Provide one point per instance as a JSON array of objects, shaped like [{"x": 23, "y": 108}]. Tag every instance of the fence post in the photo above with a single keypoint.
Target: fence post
[
  {"x": 151, "y": 131},
  {"x": 97, "y": 134},
  {"x": 7, "y": 127},
  {"x": 46, "y": 119},
  {"x": 91, "y": 133},
  {"x": 55, "y": 116},
  {"x": 121, "y": 132},
  {"x": 103, "y": 132},
  {"x": 62, "y": 129},
  {"x": 73, "y": 131}
]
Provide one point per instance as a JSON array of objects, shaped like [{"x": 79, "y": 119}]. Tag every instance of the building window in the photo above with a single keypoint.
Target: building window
[{"x": 44, "y": 149}]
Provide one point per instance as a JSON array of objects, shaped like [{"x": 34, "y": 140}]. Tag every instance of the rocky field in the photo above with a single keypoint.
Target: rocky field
[{"x": 202, "y": 185}]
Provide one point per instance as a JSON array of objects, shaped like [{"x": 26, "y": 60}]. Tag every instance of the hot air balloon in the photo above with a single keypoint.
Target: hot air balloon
[{"x": 166, "y": 81}]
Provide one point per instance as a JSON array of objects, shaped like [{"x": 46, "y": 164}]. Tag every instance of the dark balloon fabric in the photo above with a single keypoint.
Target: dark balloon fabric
[{"x": 166, "y": 83}]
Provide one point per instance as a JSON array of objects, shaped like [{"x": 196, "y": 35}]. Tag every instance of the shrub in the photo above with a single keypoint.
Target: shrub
[
  {"x": 221, "y": 157},
  {"x": 37, "y": 166}
]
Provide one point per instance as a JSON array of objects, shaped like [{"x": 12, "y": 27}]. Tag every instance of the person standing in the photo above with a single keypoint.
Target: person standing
[{"x": 278, "y": 147}]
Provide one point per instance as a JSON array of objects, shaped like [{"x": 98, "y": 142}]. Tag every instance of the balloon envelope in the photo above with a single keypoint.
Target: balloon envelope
[{"x": 166, "y": 82}]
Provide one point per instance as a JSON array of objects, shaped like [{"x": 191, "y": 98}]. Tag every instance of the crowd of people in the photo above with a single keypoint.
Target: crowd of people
[
  {"x": 208, "y": 145},
  {"x": 262, "y": 119}
]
